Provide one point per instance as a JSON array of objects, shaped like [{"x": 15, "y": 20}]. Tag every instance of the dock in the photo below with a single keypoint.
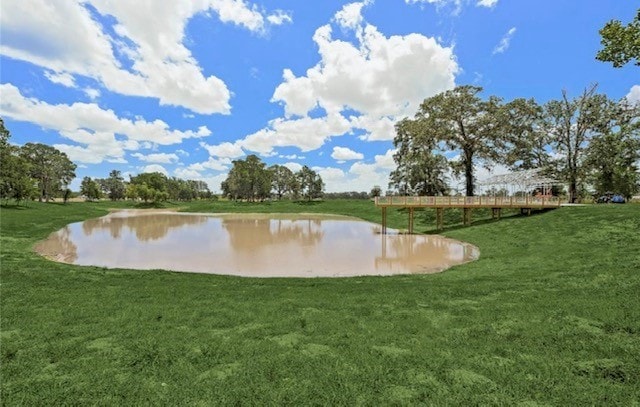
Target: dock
[{"x": 467, "y": 203}]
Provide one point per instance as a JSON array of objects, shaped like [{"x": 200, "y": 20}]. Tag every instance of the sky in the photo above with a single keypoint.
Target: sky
[{"x": 186, "y": 87}]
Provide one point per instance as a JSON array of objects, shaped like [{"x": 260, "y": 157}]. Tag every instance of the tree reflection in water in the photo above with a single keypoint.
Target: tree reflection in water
[
  {"x": 259, "y": 245},
  {"x": 146, "y": 227}
]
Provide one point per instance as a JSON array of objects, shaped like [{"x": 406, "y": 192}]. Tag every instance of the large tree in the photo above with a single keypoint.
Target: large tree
[
  {"x": 248, "y": 179},
  {"x": 621, "y": 43},
  {"x": 461, "y": 121},
  {"x": 419, "y": 170},
  {"x": 612, "y": 157},
  {"x": 50, "y": 167},
  {"x": 571, "y": 124},
  {"x": 311, "y": 184},
  {"x": 15, "y": 182},
  {"x": 90, "y": 189},
  {"x": 114, "y": 186},
  {"x": 283, "y": 181}
]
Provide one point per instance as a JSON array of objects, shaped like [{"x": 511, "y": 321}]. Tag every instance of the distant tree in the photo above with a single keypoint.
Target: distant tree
[
  {"x": 311, "y": 184},
  {"x": 612, "y": 157},
  {"x": 283, "y": 180},
  {"x": 50, "y": 167},
  {"x": 114, "y": 186},
  {"x": 248, "y": 179},
  {"x": 571, "y": 124},
  {"x": 376, "y": 191},
  {"x": 621, "y": 43},
  {"x": 90, "y": 189}
]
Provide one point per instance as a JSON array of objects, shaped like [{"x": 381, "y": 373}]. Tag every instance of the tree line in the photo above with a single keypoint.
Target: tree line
[
  {"x": 250, "y": 179},
  {"x": 589, "y": 139},
  {"x": 148, "y": 187}
]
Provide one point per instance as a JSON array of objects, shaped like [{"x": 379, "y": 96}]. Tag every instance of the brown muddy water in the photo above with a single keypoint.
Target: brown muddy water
[{"x": 251, "y": 245}]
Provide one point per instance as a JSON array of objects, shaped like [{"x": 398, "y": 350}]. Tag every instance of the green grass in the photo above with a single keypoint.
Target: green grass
[{"x": 549, "y": 315}]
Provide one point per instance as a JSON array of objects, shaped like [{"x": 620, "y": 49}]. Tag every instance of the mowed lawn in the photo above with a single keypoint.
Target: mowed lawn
[{"x": 549, "y": 315}]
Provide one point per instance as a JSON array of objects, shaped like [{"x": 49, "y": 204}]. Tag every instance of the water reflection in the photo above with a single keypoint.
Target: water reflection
[{"x": 251, "y": 245}]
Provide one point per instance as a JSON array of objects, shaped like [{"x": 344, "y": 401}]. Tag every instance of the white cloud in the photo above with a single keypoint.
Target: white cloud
[
  {"x": 295, "y": 167},
  {"x": 487, "y": 3},
  {"x": 61, "y": 78},
  {"x": 342, "y": 154},
  {"x": 159, "y": 158},
  {"x": 351, "y": 15},
  {"x": 504, "y": 42},
  {"x": 67, "y": 40},
  {"x": 221, "y": 164},
  {"x": 226, "y": 150},
  {"x": 379, "y": 78},
  {"x": 292, "y": 157},
  {"x": 182, "y": 153},
  {"x": 280, "y": 17},
  {"x": 155, "y": 168},
  {"x": 92, "y": 93},
  {"x": 305, "y": 133},
  {"x": 89, "y": 125},
  {"x": 634, "y": 94},
  {"x": 360, "y": 176}
]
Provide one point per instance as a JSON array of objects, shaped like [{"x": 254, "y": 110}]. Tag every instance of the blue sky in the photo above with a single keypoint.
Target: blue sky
[{"x": 185, "y": 87}]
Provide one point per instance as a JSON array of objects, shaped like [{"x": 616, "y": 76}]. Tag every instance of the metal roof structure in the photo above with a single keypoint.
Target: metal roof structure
[{"x": 526, "y": 179}]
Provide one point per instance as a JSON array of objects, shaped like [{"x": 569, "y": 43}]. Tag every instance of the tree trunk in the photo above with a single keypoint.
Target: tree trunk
[{"x": 468, "y": 173}]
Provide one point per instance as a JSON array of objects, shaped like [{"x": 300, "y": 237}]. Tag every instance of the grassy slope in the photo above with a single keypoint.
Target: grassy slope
[{"x": 549, "y": 314}]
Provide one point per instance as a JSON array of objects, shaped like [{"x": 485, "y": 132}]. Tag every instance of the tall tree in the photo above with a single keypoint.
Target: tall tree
[
  {"x": 463, "y": 122},
  {"x": 114, "y": 186},
  {"x": 50, "y": 167},
  {"x": 311, "y": 184},
  {"x": 570, "y": 124},
  {"x": 621, "y": 43},
  {"x": 419, "y": 170},
  {"x": 522, "y": 131},
  {"x": 248, "y": 179},
  {"x": 283, "y": 180},
  {"x": 90, "y": 188}
]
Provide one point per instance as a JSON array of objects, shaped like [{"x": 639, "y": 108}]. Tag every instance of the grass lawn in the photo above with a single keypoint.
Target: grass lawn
[{"x": 549, "y": 315}]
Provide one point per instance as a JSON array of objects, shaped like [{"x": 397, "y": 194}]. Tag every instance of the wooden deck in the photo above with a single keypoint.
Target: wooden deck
[{"x": 467, "y": 203}]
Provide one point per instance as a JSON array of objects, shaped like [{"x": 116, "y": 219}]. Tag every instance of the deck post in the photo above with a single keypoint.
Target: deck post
[
  {"x": 410, "y": 221},
  {"x": 439, "y": 218},
  {"x": 466, "y": 215},
  {"x": 384, "y": 220}
]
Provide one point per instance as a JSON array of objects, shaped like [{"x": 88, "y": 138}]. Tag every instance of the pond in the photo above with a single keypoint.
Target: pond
[{"x": 251, "y": 245}]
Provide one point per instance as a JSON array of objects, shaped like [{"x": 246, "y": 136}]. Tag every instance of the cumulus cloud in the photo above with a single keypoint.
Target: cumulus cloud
[
  {"x": 155, "y": 168},
  {"x": 91, "y": 126},
  {"x": 504, "y": 42},
  {"x": 225, "y": 150},
  {"x": 456, "y": 4},
  {"x": 67, "y": 40},
  {"x": 158, "y": 158},
  {"x": 487, "y": 3},
  {"x": 634, "y": 94},
  {"x": 377, "y": 79},
  {"x": 360, "y": 176},
  {"x": 342, "y": 154}
]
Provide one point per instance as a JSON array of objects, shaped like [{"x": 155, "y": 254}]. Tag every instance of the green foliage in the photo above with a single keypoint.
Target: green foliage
[
  {"x": 612, "y": 157},
  {"x": 283, "y": 181},
  {"x": 621, "y": 43},
  {"x": 248, "y": 179},
  {"x": 51, "y": 168},
  {"x": 90, "y": 189},
  {"x": 114, "y": 186},
  {"x": 311, "y": 184},
  {"x": 420, "y": 171},
  {"x": 376, "y": 191}
]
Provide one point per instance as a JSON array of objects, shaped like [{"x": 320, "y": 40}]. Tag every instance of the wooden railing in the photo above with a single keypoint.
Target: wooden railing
[{"x": 469, "y": 201}]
